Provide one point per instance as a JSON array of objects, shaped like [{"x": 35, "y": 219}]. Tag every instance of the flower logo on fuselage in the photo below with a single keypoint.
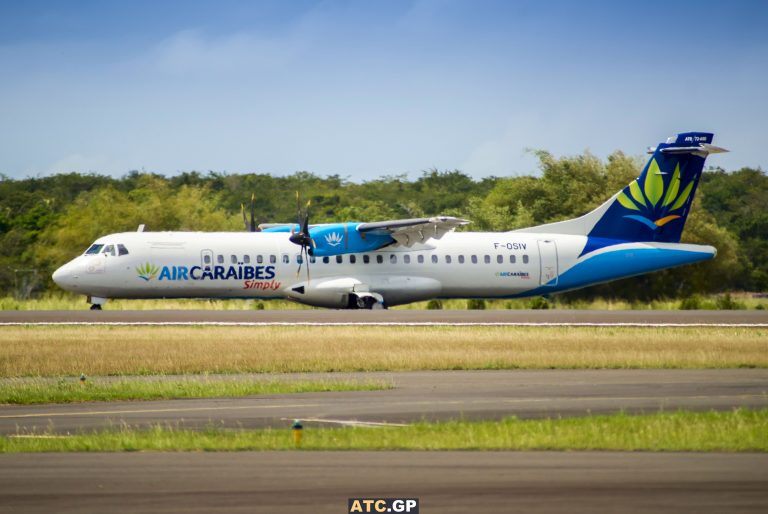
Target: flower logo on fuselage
[
  {"x": 653, "y": 203},
  {"x": 147, "y": 271}
]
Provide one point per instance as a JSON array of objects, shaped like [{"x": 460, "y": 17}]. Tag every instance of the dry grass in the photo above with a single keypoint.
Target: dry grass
[{"x": 98, "y": 350}]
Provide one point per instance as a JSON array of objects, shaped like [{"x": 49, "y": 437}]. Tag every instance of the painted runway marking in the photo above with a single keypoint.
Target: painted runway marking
[
  {"x": 350, "y": 422},
  {"x": 380, "y": 324}
]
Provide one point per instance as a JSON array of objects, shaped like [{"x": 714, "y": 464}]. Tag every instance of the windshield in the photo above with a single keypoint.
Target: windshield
[{"x": 93, "y": 249}]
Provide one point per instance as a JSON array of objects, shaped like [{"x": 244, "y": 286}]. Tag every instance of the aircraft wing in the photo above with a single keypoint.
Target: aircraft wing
[{"x": 411, "y": 231}]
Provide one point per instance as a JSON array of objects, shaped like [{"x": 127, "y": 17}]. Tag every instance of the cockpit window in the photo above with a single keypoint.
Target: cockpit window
[
  {"x": 122, "y": 250},
  {"x": 109, "y": 250},
  {"x": 94, "y": 249}
]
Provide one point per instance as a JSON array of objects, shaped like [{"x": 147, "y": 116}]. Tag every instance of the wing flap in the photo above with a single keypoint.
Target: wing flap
[{"x": 408, "y": 232}]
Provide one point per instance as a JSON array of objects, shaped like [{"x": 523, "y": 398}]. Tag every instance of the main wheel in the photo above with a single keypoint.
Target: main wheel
[{"x": 96, "y": 307}]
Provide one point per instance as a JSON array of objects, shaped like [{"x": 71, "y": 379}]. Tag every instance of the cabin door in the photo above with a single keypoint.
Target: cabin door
[{"x": 548, "y": 261}]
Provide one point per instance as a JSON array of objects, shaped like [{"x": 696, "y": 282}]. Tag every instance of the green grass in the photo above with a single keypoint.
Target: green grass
[
  {"x": 66, "y": 301},
  {"x": 34, "y": 391},
  {"x": 740, "y": 430}
]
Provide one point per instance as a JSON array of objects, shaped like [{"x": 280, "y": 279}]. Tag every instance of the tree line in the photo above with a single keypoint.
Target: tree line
[{"x": 46, "y": 221}]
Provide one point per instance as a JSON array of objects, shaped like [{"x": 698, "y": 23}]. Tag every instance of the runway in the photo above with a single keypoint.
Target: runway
[
  {"x": 745, "y": 318},
  {"x": 444, "y": 482},
  {"x": 428, "y": 395}
]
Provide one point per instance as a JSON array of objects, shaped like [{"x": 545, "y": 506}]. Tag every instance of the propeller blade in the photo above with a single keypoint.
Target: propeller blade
[
  {"x": 245, "y": 220},
  {"x": 253, "y": 213}
]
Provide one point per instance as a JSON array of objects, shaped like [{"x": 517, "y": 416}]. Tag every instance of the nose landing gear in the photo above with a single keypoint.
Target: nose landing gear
[{"x": 96, "y": 302}]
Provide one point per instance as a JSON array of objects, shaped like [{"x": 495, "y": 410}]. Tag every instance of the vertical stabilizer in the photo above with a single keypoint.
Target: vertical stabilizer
[{"x": 653, "y": 207}]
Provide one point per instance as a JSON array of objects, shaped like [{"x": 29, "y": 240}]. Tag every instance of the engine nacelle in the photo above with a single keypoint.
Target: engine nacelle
[{"x": 339, "y": 238}]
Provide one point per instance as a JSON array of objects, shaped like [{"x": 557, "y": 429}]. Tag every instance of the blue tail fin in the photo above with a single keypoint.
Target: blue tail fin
[{"x": 652, "y": 207}]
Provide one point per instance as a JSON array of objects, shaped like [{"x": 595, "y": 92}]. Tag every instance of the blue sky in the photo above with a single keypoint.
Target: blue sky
[{"x": 365, "y": 89}]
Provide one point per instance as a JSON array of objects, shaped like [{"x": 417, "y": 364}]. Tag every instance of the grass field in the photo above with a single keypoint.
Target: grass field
[
  {"x": 31, "y": 391},
  {"x": 98, "y": 350},
  {"x": 737, "y": 431}
]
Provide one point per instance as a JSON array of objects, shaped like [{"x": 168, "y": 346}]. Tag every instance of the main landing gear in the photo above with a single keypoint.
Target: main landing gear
[
  {"x": 96, "y": 307},
  {"x": 366, "y": 301}
]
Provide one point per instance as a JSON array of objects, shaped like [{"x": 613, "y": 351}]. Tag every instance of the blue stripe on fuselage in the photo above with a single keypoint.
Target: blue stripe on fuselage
[{"x": 615, "y": 264}]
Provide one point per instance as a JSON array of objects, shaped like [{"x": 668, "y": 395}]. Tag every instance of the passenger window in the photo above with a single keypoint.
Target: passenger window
[
  {"x": 233, "y": 259},
  {"x": 326, "y": 260},
  {"x": 286, "y": 259},
  {"x": 122, "y": 250},
  {"x": 525, "y": 259},
  {"x": 379, "y": 259},
  {"x": 500, "y": 259},
  {"x": 366, "y": 259},
  {"x": 220, "y": 259},
  {"x": 206, "y": 259},
  {"x": 109, "y": 250},
  {"x": 447, "y": 259},
  {"x": 512, "y": 259},
  {"x": 407, "y": 259},
  {"x": 352, "y": 259},
  {"x": 392, "y": 258},
  {"x": 434, "y": 259},
  {"x": 474, "y": 259},
  {"x": 273, "y": 259},
  {"x": 247, "y": 259},
  {"x": 312, "y": 259},
  {"x": 94, "y": 249},
  {"x": 420, "y": 258},
  {"x": 487, "y": 259},
  {"x": 299, "y": 259},
  {"x": 338, "y": 259},
  {"x": 461, "y": 259},
  {"x": 259, "y": 259}
]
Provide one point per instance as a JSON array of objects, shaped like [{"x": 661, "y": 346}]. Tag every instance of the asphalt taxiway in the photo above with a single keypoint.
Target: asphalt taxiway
[
  {"x": 444, "y": 482},
  {"x": 428, "y": 395},
  {"x": 754, "y": 318}
]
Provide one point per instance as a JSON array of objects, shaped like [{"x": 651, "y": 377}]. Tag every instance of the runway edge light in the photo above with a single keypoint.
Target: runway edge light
[{"x": 297, "y": 428}]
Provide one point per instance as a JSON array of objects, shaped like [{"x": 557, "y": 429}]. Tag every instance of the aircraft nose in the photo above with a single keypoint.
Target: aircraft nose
[{"x": 65, "y": 277}]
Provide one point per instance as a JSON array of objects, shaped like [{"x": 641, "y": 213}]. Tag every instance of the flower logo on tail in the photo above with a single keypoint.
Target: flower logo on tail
[{"x": 653, "y": 204}]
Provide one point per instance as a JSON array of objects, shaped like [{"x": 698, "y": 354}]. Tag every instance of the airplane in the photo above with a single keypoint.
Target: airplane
[{"x": 376, "y": 265}]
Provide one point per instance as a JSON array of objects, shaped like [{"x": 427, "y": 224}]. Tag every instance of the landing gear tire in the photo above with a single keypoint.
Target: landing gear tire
[
  {"x": 367, "y": 302},
  {"x": 96, "y": 307}
]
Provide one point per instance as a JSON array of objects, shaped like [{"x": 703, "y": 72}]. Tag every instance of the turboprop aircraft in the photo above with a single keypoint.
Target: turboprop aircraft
[{"x": 380, "y": 264}]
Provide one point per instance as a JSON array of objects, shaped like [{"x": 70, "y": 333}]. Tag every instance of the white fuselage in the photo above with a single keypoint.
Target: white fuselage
[{"x": 264, "y": 265}]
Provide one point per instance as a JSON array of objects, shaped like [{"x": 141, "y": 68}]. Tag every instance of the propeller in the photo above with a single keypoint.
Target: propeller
[
  {"x": 250, "y": 226},
  {"x": 302, "y": 237}
]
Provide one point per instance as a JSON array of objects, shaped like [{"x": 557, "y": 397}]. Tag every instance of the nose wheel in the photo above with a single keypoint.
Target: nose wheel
[{"x": 96, "y": 302}]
